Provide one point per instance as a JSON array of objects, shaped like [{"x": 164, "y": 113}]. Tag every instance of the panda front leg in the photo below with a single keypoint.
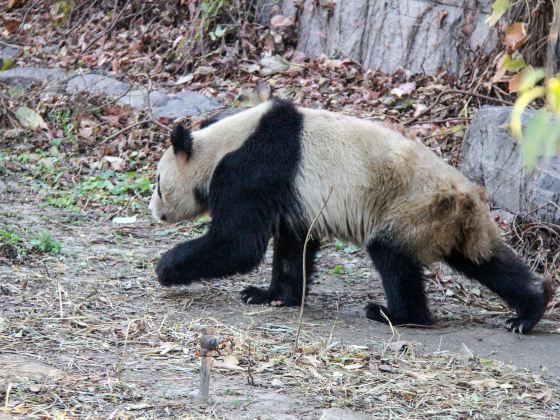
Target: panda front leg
[
  {"x": 509, "y": 277},
  {"x": 287, "y": 270},
  {"x": 210, "y": 256},
  {"x": 403, "y": 281}
]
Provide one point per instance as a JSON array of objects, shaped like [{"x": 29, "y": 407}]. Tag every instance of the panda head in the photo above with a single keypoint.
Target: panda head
[{"x": 178, "y": 194}]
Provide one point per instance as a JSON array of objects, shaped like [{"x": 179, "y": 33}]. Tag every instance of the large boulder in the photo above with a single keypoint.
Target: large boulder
[
  {"x": 29, "y": 75},
  {"x": 418, "y": 35},
  {"x": 492, "y": 157}
]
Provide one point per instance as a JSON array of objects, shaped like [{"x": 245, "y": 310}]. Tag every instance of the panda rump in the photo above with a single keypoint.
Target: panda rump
[{"x": 268, "y": 170}]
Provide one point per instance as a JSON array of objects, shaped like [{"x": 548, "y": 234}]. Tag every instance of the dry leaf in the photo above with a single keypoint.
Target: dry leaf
[
  {"x": 280, "y": 21},
  {"x": 543, "y": 396},
  {"x": 398, "y": 345},
  {"x": 13, "y": 4},
  {"x": 12, "y": 25},
  {"x": 416, "y": 375},
  {"x": 442, "y": 14},
  {"x": 167, "y": 347},
  {"x": 483, "y": 384},
  {"x": 515, "y": 37},
  {"x": 515, "y": 82},
  {"x": 29, "y": 118}
]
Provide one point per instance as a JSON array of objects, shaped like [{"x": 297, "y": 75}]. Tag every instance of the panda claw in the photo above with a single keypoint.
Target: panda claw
[{"x": 520, "y": 325}]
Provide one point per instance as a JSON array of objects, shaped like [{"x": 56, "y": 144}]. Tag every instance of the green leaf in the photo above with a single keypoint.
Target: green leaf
[
  {"x": 29, "y": 118},
  {"x": 351, "y": 249},
  {"x": 337, "y": 269},
  {"x": 219, "y": 31},
  {"x": 515, "y": 64},
  {"x": 5, "y": 63},
  {"x": 538, "y": 128},
  {"x": 530, "y": 78},
  {"x": 499, "y": 7},
  {"x": 552, "y": 140}
]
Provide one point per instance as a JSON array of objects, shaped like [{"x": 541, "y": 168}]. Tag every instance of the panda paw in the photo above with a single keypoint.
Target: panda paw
[
  {"x": 520, "y": 325},
  {"x": 257, "y": 296},
  {"x": 373, "y": 312}
]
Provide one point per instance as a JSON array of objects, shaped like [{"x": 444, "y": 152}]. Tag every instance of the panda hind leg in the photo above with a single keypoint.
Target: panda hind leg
[
  {"x": 509, "y": 277},
  {"x": 403, "y": 281},
  {"x": 287, "y": 270}
]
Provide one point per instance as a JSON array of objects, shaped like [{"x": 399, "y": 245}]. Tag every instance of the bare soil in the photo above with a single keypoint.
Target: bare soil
[{"x": 90, "y": 333}]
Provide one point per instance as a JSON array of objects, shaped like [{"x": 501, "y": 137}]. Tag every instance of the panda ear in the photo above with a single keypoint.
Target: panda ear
[{"x": 181, "y": 140}]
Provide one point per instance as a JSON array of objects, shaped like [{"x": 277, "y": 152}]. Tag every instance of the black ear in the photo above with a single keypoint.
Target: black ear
[{"x": 181, "y": 140}]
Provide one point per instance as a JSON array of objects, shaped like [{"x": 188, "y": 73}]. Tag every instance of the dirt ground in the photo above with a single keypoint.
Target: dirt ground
[{"x": 90, "y": 333}]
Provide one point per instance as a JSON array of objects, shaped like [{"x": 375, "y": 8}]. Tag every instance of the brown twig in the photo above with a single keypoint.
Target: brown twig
[
  {"x": 136, "y": 124},
  {"x": 457, "y": 92},
  {"x": 304, "y": 290}
]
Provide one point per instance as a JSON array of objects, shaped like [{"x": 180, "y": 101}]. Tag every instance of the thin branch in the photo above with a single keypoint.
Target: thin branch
[
  {"x": 458, "y": 92},
  {"x": 304, "y": 291}
]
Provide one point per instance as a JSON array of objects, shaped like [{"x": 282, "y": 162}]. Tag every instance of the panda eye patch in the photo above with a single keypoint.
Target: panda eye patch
[{"x": 158, "y": 188}]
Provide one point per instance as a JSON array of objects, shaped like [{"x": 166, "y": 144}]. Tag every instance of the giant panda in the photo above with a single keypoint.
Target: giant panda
[{"x": 267, "y": 171}]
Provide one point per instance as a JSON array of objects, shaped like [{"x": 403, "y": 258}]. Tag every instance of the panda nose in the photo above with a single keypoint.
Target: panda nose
[{"x": 163, "y": 217}]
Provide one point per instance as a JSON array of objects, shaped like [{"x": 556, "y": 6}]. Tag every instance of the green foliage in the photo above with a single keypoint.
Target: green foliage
[
  {"x": 347, "y": 248},
  {"x": 44, "y": 243},
  {"x": 499, "y": 7},
  {"x": 541, "y": 136},
  {"x": 2, "y": 164},
  {"x": 10, "y": 239}
]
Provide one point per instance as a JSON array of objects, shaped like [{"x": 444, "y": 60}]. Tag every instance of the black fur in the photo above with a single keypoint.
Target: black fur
[
  {"x": 181, "y": 140},
  {"x": 511, "y": 279},
  {"x": 250, "y": 189},
  {"x": 287, "y": 269},
  {"x": 403, "y": 282}
]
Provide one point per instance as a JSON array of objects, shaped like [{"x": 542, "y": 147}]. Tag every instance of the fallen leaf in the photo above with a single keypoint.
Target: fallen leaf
[
  {"x": 484, "y": 384},
  {"x": 116, "y": 163},
  {"x": 166, "y": 346},
  {"x": 354, "y": 366},
  {"x": 12, "y": 25},
  {"x": 398, "y": 346},
  {"x": 442, "y": 14},
  {"x": 12, "y": 4},
  {"x": 416, "y": 375},
  {"x": 544, "y": 396},
  {"x": 499, "y": 7},
  {"x": 127, "y": 221},
  {"x": 5, "y": 63},
  {"x": 280, "y": 21},
  {"x": 515, "y": 37},
  {"x": 515, "y": 82},
  {"x": 29, "y": 118}
]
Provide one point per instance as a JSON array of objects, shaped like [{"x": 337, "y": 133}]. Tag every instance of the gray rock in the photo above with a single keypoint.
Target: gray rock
[
  {"x": 28, "y": 75},
  {"x": 136, "y": 99},
  {"x": 158, "y": 98},
  {"x": 9, "y": 52},
  {"x": 97, "y": 83},
  {"x": 492, "y": 157},
  {"x": 186, "y": 103}
]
